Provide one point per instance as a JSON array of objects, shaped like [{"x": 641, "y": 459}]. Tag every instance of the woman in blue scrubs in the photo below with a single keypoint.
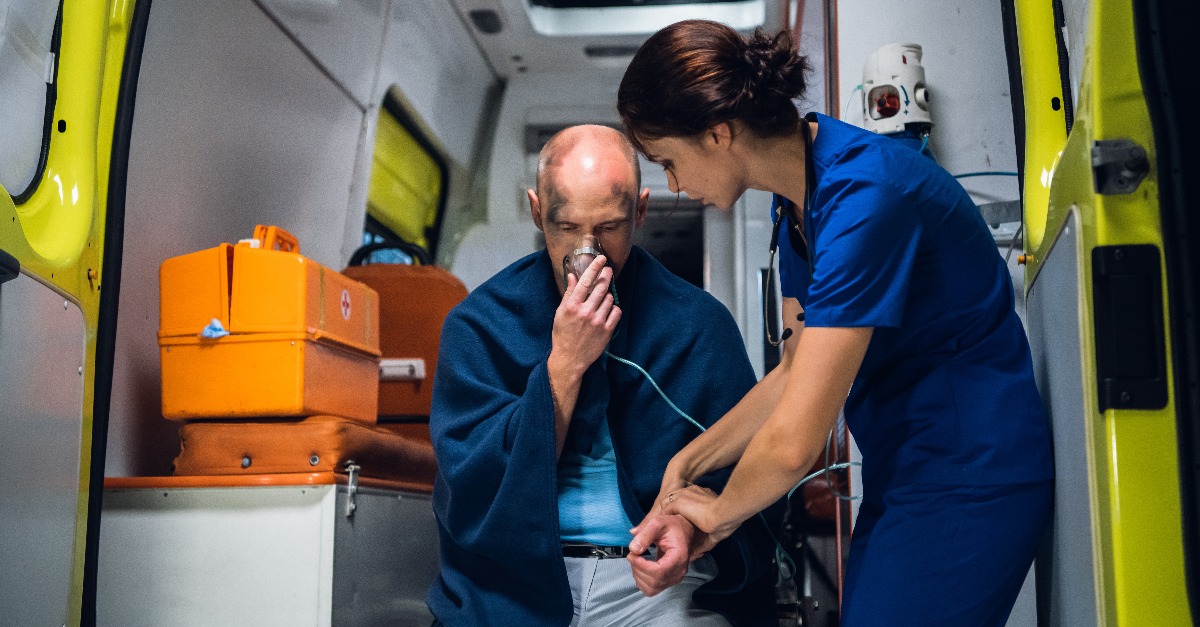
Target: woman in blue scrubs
[{"x": 900, "y": 309}]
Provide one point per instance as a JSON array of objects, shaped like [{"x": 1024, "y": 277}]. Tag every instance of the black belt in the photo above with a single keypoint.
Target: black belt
[{"x": 592, "y": 550}]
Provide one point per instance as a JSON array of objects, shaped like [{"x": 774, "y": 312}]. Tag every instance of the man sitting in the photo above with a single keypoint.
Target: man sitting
[{"x": 549, "y": 449}]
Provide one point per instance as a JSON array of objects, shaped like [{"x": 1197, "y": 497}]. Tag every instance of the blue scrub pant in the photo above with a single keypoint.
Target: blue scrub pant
[{"x": 943, "y": 555}]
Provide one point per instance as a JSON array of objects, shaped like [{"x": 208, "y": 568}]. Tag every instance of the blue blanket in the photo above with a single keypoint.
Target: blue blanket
[{"x": 492, "y": 424}]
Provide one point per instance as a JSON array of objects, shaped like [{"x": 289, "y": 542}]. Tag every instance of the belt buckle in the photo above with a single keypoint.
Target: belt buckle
[
  {"x": 589, "y": 550},
  {"x": 606, "y": 552}
]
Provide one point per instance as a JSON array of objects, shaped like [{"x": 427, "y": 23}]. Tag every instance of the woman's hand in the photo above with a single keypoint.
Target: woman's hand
[
  {"x": 673, "y": 479},
  {"x": 701, "y": 507}
]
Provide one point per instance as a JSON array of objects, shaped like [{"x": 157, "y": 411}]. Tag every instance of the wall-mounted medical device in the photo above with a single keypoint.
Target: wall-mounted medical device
[{"x": 895, "y": 98}]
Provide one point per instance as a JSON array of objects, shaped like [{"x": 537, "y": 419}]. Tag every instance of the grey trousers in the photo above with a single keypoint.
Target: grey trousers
[{"x": 605, "y": 595}]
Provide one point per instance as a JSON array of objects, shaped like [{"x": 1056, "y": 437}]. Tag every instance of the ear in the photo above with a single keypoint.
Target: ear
[
  {"x": 639, "y": 210},
  {"x": 535, "y": 209},
  {"x": 720, "y": 135}
]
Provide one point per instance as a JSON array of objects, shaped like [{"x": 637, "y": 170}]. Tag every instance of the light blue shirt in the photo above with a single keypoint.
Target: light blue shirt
[{"x": 589, "y": 504}]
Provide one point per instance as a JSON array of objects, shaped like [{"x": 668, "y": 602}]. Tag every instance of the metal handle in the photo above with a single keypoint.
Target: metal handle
[{"x": 402, "y": 369}]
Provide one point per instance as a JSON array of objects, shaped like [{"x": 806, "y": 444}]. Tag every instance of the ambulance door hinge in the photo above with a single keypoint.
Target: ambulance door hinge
[
  {"x": 351, "y": 488},
  {"x": 10, "y": 268},
  {"x": 48, "y": 71},
  {"x": 1118, "y": 166}
]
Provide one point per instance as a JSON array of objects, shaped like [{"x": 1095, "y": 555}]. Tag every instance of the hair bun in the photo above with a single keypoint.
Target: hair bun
[
  {"x": 760, "y": 58},
  {"x": 694, "y": 74},
  {"x": 773, "y": 67}
]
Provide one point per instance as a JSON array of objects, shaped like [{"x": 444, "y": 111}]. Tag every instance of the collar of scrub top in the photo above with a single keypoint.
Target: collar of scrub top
[{"x": 781, "y": 207}]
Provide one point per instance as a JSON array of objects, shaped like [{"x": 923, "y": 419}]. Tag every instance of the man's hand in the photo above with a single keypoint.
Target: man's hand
[
  {"x": 585, "y": 319},
  {"x": 674, "y": 536},
  {"x": 583, "y": 324}
]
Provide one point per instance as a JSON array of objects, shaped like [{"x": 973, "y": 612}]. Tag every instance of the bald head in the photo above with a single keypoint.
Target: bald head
[
  {"x": 587, "y": 186},
  {"x": 587, "y": 154}
]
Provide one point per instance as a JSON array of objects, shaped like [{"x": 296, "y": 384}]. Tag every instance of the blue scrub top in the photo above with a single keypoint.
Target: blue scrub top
[{"x": 945, "y": 394}]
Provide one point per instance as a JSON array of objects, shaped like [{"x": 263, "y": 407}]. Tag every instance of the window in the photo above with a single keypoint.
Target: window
[
  {"x": 28, "y": 47},
  {"x": 406, "y": 196}
]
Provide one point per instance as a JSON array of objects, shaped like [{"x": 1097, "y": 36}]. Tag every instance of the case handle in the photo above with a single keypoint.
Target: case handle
[{"x": 275, "y": 238}]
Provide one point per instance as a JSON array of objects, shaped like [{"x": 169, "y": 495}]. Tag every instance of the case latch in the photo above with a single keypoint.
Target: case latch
[{"x": 351, "y": 488}]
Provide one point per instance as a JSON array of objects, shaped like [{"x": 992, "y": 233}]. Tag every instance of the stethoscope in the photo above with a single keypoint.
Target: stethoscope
[{"x": 781, "y": 206}]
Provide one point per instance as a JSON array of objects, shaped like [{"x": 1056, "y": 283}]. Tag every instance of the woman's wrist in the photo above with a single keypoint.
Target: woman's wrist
[
  {"x": 721, "y": 522},
  {"x": 680, "y": 469},
  {"x": 711, "y": 522}
]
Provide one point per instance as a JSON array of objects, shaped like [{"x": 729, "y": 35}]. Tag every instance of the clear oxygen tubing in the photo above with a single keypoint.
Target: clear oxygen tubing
[
  {"x": 1013, "y": 243},
  {"x": 845, "y": 110},
  {"x": 787, "y": 567}
]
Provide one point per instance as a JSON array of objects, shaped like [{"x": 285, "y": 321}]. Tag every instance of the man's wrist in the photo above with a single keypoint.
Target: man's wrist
[{"x": 562, "y": 371}]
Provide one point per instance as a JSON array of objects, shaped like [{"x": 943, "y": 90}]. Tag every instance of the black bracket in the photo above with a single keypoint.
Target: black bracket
[
  {"x": 1118, "y": 166},
  {"x": 10, "y": 268},
  {"x": 1131, "y": 370}
]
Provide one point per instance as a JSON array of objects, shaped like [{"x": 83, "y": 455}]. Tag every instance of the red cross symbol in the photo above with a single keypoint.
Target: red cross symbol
[{"x": 345, "y": 304}]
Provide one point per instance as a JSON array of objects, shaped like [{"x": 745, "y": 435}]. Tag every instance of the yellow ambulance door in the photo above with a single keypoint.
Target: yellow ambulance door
[
  {"x": 1099, "y": 294},
  {"x": 61, "y": 69}
]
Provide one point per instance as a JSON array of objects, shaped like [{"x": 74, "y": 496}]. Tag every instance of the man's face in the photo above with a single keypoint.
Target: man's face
[{"x": 587, "y": 196}]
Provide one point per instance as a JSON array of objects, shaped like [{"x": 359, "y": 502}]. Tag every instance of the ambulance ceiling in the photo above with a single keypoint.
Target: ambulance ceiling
[
  {"x": 520, "y": 36},
  {"x": 595, "y": 4}
]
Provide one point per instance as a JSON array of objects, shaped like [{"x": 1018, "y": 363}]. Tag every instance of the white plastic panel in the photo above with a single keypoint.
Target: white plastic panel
[
  {"x": 438, "y": 70},
  {"x": 1053, "y": 303},
  {"x": 745, "y": 15},
  {"x": 265, "y": 556},
  {"x": 42, "y": 344},
  {"x": 216, "y": 556},
  {"x": 536, "y": 39},
  {"x": 1076, "y": 14},
  {"x": 235, "y": 125},
  {"x": 343, "y": 35},
  {"x": 26, "y": 30}
]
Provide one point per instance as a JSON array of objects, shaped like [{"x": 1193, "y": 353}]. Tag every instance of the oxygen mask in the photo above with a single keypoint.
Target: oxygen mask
[{"x": 584, "y": 253}]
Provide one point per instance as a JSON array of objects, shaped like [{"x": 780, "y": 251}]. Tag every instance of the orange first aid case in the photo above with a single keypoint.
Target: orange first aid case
[
  {"x": 302, "y": 339},
  {"x": 414, "y": 300}
]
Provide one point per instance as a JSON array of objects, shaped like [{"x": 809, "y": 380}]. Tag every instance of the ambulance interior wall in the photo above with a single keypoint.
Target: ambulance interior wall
[
  {"x": 252, "y": 113},
  {"x": 967, "y": 76}
]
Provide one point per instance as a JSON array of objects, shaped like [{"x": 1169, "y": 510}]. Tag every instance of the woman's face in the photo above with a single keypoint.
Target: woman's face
[{"x": 700, "y": 167}]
